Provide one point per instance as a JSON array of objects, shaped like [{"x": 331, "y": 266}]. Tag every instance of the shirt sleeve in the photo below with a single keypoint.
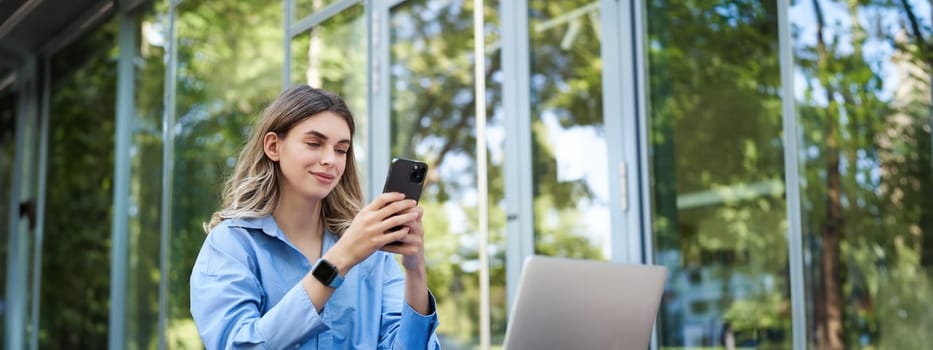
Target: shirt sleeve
[
  {"x": 226, "y": 299},
  {"x": 402, "y": 326}
]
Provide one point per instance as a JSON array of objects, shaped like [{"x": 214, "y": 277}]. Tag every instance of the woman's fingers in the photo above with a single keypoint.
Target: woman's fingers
[
  {"x": 387, "y": 238},
  {"x": 397, "y": 220},
  {"x": 384, "y": 199},
  {"x": 396, "y": 207}
]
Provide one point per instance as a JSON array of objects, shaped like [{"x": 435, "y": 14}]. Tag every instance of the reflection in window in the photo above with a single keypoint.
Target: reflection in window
[
  {"x": 75, "y": 292},
  {"x": 569, "y": 159},
  {"x": 304, "y": 8},
  {"x": 333, "y": 56},
  {"x": 229, "y": 68},
  {"x": 862, "y": 88},
  {"x": 144, "y": 222},
  {"x": 7, "y": 158},
  {"x": 718, "y": 207},
  {"x": 433, "y": 119}
]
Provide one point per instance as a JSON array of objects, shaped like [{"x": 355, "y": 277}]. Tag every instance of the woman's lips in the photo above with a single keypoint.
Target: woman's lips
[{"x": 324, "y": 177}]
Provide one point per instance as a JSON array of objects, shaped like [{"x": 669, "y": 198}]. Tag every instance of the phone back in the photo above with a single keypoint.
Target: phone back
[{"x": 406, "y": 176}]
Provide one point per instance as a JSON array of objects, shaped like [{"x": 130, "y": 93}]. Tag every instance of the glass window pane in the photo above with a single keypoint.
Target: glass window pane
[
  {"x": 332, "y": 56},
  {"x": 7, "y": 158},
  {"x": 717, "y": 174},
  {"x": 862, "y": 89},
  {"x": 305, "y": 8},
  {"x": 495, "y": 174},
  {"x": 569, "y": 159},
  {"x": 227, "y": 73},
  {"x": 144, "y": 222},
  {"x": 433, "y": 119},
  {"x": 75, "y": 293}
]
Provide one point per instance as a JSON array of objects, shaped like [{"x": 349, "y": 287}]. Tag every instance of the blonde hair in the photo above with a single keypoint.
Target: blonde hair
[{"x": 253, "y": 189}]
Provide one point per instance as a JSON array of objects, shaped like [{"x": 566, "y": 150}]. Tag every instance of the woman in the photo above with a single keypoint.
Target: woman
[{"x": 294, "y": 260}]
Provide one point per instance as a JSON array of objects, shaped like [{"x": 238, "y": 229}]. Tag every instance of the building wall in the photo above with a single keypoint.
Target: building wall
[{"x": 775, "y": 157}]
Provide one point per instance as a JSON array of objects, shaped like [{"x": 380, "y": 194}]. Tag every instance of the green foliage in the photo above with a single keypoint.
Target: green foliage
[
  {"x": 433, "y": 119},
  {"x": 146, "y": 175},
  {"x": 715, "y": 125},
  {"x": 229, "y": 68},
  {"x": 7, "y": 157},
  {"x": 880, "y": 138},
  {"x": 75, "y": 293}
]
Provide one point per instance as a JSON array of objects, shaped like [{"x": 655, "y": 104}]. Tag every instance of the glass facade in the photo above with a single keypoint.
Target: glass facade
[
  {"x": 225, "y": 73},
  {"x": 145, "y": 185},
  {"x": 707, "y": 184},
  {"x": 717, "y": 168},
  {"x": 433, "y": 119},
  {"x": 862, "y": 91},
  {"x": 7, "y": 156},
  {"x": 569, "y": 159},
  {"x": 333, "y": 56},
  {"x": 75, "y": 293}
]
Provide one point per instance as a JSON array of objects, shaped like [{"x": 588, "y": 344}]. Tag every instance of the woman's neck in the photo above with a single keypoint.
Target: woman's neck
[{"x": 299, "y": 218}]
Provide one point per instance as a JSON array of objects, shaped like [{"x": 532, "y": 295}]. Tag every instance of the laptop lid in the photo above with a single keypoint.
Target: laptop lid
[{"x": 584, "y": 304}]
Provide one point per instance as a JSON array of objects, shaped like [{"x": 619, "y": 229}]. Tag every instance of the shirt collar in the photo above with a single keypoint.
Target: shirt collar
[{"x": 268, "y": 226}]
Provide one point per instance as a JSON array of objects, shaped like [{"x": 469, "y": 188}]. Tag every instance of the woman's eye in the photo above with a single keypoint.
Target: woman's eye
[
  {"x": 314, "y": 144},
  {"x": 342, "y": 151}
]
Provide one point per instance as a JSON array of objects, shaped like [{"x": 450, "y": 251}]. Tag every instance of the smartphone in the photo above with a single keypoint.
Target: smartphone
[{"x": 406, "y": 176}]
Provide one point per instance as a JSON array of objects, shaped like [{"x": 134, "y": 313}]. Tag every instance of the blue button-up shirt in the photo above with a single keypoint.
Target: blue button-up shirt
[{"x": 246, "y": 292}]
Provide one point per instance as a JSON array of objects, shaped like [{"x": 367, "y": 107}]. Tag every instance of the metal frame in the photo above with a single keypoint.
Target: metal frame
[
  {"x": 125, "y": 110},
  {"x": 517, "y": 105},
  {"x": 792, "y": 180},
  {"x": 289, "y": 9},
  {"x": 479, "y": 77},
  {"x": 381, "y": 109},
  {"x": 640, "y": 56},
  {"x": 168, "y": 168},
  {"x": 305, "y": 24},
  {"x": 21, "y": 188},
  {"x": 81, "y": 25},
  {"x": 622, "y": 134},
  {"x": 44, "y": 123}
]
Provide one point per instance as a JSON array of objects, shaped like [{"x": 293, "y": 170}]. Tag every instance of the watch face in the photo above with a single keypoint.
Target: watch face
[{"x": 324, "y": 271}]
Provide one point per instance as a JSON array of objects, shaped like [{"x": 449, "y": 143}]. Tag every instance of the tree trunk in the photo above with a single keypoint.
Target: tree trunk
[{"x": 828, "y": 304}]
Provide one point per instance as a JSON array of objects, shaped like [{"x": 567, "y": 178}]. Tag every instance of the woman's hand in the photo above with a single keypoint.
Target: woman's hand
[
  {"x": 411, "y": 246},
  {"x": 371, "y": 230}
]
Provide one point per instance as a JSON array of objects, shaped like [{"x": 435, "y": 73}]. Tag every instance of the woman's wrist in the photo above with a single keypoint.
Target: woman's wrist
[
  {"x": 339, "y": 260},
  {"x": 414, "y": 264}
]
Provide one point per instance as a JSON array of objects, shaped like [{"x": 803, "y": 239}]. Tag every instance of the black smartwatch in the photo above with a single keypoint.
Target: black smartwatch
[{"x": 327, "y": 273}]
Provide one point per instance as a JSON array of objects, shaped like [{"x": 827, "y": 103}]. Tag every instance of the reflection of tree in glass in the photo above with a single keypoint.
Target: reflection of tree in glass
[
  {"x": 717, "y": 171},
  {"x": 75, "y": 292},
  {"x": 566, "y": 86},
  {"x": 868, "y": 171},
  {"x": 142, "y": 295},
  {"x": 433, "y": 119},
  {"x": 229, "y": 68}
]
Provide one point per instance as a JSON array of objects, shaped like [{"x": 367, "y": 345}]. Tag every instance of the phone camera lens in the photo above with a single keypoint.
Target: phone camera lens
[{"x": 417, "y": 173}]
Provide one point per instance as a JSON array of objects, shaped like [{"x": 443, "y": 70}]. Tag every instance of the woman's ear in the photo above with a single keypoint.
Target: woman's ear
[{"x": 271, "y": 145}]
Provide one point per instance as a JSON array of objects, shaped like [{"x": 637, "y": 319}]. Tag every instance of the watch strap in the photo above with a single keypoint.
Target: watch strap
[{"x": 325, "y": 272}]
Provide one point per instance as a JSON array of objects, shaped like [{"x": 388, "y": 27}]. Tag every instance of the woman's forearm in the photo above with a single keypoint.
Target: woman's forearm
[{"x": 416, "y": 290}]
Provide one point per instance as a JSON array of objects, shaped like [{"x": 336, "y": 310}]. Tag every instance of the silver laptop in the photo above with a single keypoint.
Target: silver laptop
[{"x": 584, "y": 304}]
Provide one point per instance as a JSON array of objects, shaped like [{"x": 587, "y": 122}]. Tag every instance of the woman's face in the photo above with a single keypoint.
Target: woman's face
[{"x": 313, "y": 155}]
